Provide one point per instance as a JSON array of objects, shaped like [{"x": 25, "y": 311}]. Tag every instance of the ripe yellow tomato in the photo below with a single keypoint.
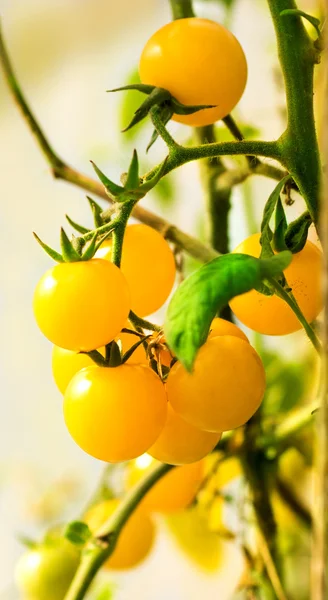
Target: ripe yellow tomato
[
  {"x": 270, "y": 315},
  {"x": 65, "y": 364},
  {"x": 135, "y": 540},
  {"x": 82, "y": 305},
  {"x": 173, "y": 492},
  {"x": 148, "y": 265},
  {"x": 115, "y": 414},
  {"x": 225, "y": 388},
  {"x": 199, "y": 62},
  {"x": 45, "y": 572},
  {"x": 181, "y": 443},
  {"x": 223, "y": 327}
]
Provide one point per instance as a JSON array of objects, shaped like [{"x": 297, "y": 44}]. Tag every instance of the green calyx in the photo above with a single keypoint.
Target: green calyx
[
  {"x": 113, "y": 355},
  {"x": 75, "y": 250},
  {"x": 134, "y": 187},
  {"x": 166, "y": 105}
]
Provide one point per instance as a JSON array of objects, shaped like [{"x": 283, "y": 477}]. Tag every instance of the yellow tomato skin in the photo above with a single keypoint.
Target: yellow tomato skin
[
  {"x": 65, "y": 364},
  {"x": 135, "y": 540},
  {"x": 270, "y": 315},
  {"x": 173, "y": 492},
  {"x": 115, "y": 414},
  {"x": 222, "y": 327},
  {"x": 82, "y": 305},
  {"x": 225, "y": 388},
  {"x": 199, "y": 62},
  {"x": 181, "y": 443},
  {"x": 148, "y": 265}
]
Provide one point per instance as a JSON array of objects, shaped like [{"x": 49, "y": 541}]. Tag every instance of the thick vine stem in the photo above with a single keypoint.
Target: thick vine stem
[
  {"x": 104, "y": 544},
  {"x": 299, "y": 145}
]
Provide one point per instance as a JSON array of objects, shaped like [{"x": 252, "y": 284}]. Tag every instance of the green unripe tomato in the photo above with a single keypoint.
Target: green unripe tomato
[{"x": 46, "y": 571}]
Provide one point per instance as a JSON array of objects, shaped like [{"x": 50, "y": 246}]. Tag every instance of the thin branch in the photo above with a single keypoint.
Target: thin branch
[
  {"x": 270, "y": 566},
  {"x": 61, "y": 170},
  {"x": 104, "y": 544}
]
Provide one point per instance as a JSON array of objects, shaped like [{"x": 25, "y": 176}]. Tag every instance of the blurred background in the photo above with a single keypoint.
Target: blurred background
[{"x": 67, "y": 53}]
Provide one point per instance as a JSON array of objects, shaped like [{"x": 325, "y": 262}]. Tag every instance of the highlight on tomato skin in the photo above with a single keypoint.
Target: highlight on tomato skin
[
  {"x": 148, "y": 265},
  {"x": 218, "y": 399},
  {"x": 115, "y": 413},
  {"x": 199, "y": 62},
  {"x": 62, "y": 302},
  {"x": 270, "y": 315},
  {"x": 174, "y": 492}
]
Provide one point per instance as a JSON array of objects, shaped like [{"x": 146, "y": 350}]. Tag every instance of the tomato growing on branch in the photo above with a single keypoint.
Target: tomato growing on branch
[
  {"x": 115, "y": 414},
  {"x": 199, "y": 62},
  {"x": 270, "y": 315},
  {"x": 72, "y": 317}
]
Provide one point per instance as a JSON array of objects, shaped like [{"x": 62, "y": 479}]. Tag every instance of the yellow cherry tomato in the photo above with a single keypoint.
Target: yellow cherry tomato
[
  {"x": 65, "y": 364},
  {"x": 270, "y": 315},
  {"x": 148, "y": 265},
  {"x": 173, "y": 492},
  {"x": 181, "y": 443},
  {"x": 223, "y": 327},
  {"x": 82, "y": 305},
  {"x": 199, "y": 62},
  {"x": 115, "y": 414},
  {"x": 225, "y": 388},
  {"x": 135, "y": 540}
]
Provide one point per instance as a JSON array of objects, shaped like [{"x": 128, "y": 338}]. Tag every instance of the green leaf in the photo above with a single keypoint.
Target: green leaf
[
  {"x": 78, "y": 533},
  {"x": 297, "y": 232},
  {"x": 111, "y": 187},
  {"x": 204, "y": 293},
  {"x": 132, "y": 180},
  {"x": 68, "y": 251},
  {"x": 50, "y": 251},
  {"x": 280, "y": 228},
  {"x": 299, "y": 13}
]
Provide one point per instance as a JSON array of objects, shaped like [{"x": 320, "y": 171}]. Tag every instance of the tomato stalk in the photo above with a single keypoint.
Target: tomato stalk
[{"x": 181, "y": 9}]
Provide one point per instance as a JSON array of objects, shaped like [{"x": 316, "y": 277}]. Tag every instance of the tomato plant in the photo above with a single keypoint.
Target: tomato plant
[{"x": 216, "y": 416}]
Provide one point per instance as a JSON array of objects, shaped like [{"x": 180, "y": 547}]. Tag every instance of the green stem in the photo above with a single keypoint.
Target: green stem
[
  {"x": 125, "y": 211},
  {"x": 181, "y": 9},
  {"x": 104, "y": 544},
  {"x": 299, "y": 145},
  {"x": 289, "y": 298}
]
